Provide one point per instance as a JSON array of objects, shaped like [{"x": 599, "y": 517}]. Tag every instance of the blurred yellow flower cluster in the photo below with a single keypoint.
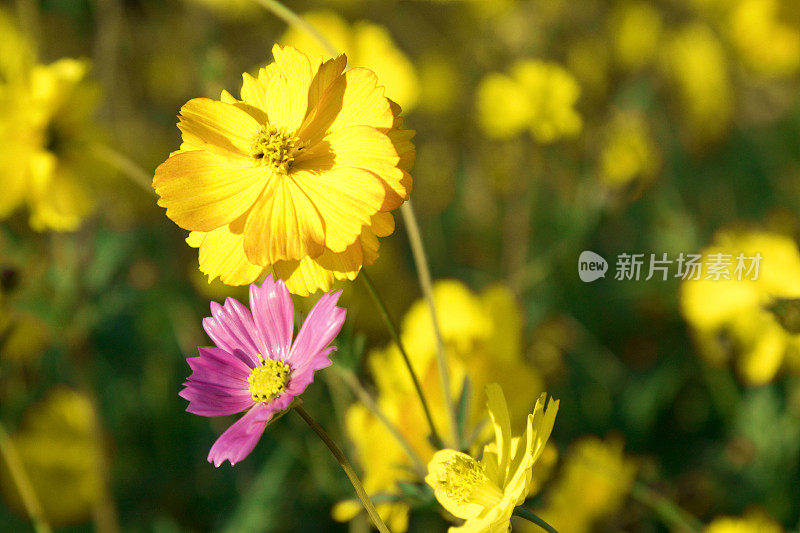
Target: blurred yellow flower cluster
[
  {"x": 628, "y": 154},
  {"x": 60, "y": 451},
  {"x": 482, "y": 336},
  {"x": 537, "y": 96},
  {"x": 46, "y": 137},
  {"x": 366, "y": 45},
  {"x": 591, "y": 485},
  {"x": 635, "y": 29},
  {"x": 753, "y": 324},
  {"x": 767, "y": 45},
  {"x": 751, "y": 523}
]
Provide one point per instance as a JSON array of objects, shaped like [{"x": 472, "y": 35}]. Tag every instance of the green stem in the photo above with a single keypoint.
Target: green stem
[
  {"x": 345, "y": 464},
  {"x": 350, "y": 379},
  {"x": 293, "y": 19},
  {"x": 530, "y": 517},
  {"x": 671, "y": 514},
  {"x": 20, "y": 479},
  {"x": 130, "y": 169},
  {"x": 424, "y": 274},
  {"x": 437, "y": 440}
]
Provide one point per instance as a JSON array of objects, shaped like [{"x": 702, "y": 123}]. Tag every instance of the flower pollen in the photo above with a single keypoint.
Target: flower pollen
[
  {"x": 275, "y": 147},
  {"x": 464, "y": 481},
  {"x": 268, "y": 380}
]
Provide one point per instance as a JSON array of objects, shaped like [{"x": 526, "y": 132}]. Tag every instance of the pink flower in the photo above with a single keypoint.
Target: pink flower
[{"x": 255, "y": 367}]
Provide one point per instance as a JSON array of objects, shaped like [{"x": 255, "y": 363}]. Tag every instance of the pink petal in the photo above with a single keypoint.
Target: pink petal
[
  {"x": 231, "y": 328},
  {"x": 273, "y": 314},
  {"x": 319, "y": 329},
  {"x": 219, "y": 367},
  {"x": 210, "y": 400},
  {"x": 239, "y": 440},
  {"x": 302, "y": 377}
]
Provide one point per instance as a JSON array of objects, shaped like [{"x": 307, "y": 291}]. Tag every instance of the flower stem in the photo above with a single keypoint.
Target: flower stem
[
  {"x": 20, "y": 479},
  {"x": 668, "y": 511},
  {"x": 130, "y": 169},
  {"x": 350, "y": 379},
  {"x": 345, "y": 464},
  {"x": 424, "y": 274},
  {"x": 530, "y": 517},
  {"x": 437, "y": 440},
  {"x": 293, "y": 19}
]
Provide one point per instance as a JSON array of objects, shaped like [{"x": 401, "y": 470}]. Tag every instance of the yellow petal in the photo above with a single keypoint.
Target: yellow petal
[
  {"x": 498, "y": 411},
  {"x": 304, "y": 277},
  {"x": 202, "y": 192},
  {"x": 324, "y": 77},
  {"x": 217, "y": 126},
  {"x": 253, "y": 92},
  {"x": 382, "y": 224},
  {"x": 222, "y": 255},
  {"x": 346, "y": 199},
  {"x": 283, "y": 225},
  {"x": 354, "y": 99},
  {"x": 287, "y": 92}
]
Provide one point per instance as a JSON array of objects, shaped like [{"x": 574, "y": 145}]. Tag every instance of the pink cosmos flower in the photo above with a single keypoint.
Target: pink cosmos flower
[{"x": 255, "y": 367}]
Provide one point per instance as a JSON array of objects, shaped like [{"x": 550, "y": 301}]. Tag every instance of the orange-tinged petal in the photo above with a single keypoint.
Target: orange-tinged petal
[
  {"x": 369, "y": 246},
  {"x": 354, "y": 99},
  {"x": 202, "y": 192},
  {"x": 287, "y": 92},
  {"x": 217, "y": 126},
  {"x": 346, "y": 199},
  {"x": 221, "y": 255},
  {"x": 382, "y": 224},
  {"x": 325, "y": 75},
  {"x": 304, "y": 277},
  {"x": 283, "y": 225}
]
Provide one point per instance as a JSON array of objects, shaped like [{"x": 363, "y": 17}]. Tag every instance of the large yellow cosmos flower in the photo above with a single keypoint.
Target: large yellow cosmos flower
[
  {"x": 486, "y": 491},
  {"x": 298, "y": 176}
]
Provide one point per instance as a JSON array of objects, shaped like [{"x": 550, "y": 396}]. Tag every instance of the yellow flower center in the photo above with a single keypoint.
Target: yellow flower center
[
  {"x": 268, "y": 380},
  {"x": 275, "y": 147},
  {"x": 464, "y": 481}
]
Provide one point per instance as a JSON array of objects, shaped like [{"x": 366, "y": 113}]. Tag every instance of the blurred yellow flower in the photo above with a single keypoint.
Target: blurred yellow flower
[
  {"x": 59, "y": 450},
  {"x": 366, "y": 45},
  {"x": 767, "y": 45},
  {"x": 482, "y": 336},
  {"x": 748, "y": 322},
  {"x": 635, "y": 30},
  {"x": 537, "y": 96},
  {"x": 46, "y": 138},
  {"x": 694, "y": 62},
  {"x": 750, "y": 523},
  {"x": 298, "y": 176},
  {"x": 592, "y": 484},
  {"x": 628, "y": 154},
  {"x": 485, "y": 492}
]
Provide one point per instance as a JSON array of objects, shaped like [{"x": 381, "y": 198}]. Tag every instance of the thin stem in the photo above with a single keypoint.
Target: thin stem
[
  {"x": 530, "y": 517},
  {"x": 424, "y": 274},
  {"x": 125, "y": 165},
  {"x": 437, "y": 440},
  {"x": 350, "y": 379},
  {"x": 668, "y": 511},
  {"x": 20, "y": 479},
  {"x": 293, "y": 19},
  {"x": 345, "y": 464}
]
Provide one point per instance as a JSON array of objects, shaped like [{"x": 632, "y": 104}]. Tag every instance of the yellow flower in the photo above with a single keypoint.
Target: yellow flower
[
  {"x": 59, "y": 450},
  {"x": 366, "y": 45},
  {"x": 750, "y": 322},
  {"x": 298, "y": 176},
  {"x": 485, "y": 492},
  {"x": 635, "y": 29},
  {"x": 537, "y": 95},
  {"x": 45, "y": 142},
  {"x": 754, "y": 522},
  {"x": 629, "y": 153},
  {"x": 768, "y": 46},
  {"x": 483, "y": 342},
  {"x": 592, "y": 484},
  {"x": 694, "y": 61}
]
